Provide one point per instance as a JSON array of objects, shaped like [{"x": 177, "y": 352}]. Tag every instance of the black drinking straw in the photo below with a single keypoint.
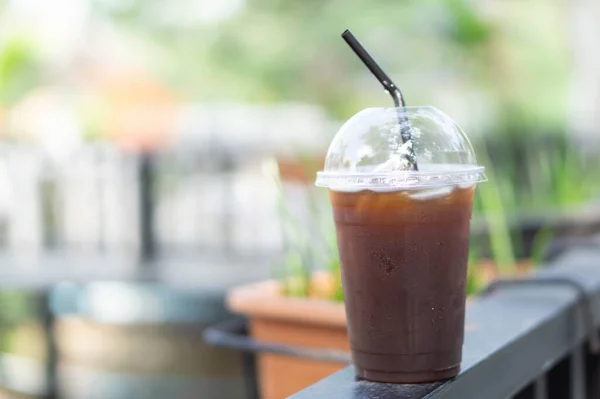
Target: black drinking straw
[{"x": 389, "y": 86}]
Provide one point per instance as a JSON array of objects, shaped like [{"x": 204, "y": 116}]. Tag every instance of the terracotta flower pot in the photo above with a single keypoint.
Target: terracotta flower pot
[
  {"x": 306, "y": 322},
  {"x": 487, "y": 271},
  {"x": 293, "y": 170}
]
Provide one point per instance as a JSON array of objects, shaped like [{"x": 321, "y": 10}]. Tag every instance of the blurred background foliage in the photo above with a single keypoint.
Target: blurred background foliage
[
  {"x": 20, "y": 71},
  {"x": 502, "y": 69},
  {"x": 276, "y": 50}
]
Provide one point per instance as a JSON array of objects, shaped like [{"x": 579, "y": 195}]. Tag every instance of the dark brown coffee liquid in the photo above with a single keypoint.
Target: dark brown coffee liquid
[{"x": 404, "y": 264}]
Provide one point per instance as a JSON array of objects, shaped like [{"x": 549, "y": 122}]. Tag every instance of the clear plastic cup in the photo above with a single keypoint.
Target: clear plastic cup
[{"x": 403, "y": 237}]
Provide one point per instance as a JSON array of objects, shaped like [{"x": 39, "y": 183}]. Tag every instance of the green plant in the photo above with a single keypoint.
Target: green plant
[
  {"x": 309, "y": 242},
  {"x": 545, "y": 173},
  {"x": 569, "y": 178},
  {"x": 473, "y": 281},
  {"x": 533, "y": 180},
  {"x": 295, "y": 269},
  {"x": 495, "y": 199}
]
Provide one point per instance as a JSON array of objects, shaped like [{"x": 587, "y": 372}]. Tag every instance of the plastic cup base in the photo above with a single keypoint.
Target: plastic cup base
[{"x": 407, "y": 378}]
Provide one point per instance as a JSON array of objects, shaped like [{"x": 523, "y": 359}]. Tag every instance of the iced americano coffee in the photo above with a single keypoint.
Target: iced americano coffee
[{"x": 403, "y": 237}]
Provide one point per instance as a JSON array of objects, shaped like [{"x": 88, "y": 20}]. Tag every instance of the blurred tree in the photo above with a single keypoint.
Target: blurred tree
[
  {"x": 19, "y": 69},
  {"x": 278, "y": 50},
  {"x": 467, "y": 28}
]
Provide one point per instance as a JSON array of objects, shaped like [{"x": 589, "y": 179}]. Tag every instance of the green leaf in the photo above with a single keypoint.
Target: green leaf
[
  {"x": 498, "y": 229},
  {"x": 540, "y": 244}
]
